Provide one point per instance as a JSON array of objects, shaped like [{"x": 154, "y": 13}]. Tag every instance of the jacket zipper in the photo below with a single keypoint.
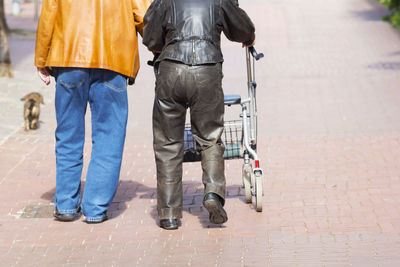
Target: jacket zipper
[{"x": 193, "y": 53}]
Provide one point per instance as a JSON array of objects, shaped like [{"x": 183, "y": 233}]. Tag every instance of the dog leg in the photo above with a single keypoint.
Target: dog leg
[
  {"x": 34, "y": 124},
  {"x": 26, "y": 125}
]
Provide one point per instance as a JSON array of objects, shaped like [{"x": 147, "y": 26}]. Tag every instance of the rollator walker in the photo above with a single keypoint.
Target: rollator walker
[{"x": 239, "y": 136}]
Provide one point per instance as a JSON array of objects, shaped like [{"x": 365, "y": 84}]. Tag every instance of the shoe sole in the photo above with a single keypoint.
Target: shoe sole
[
  {"x": 169, "y": 227},
  {"x": 217, "y": 213},
  {"x": 61, "y": 218}
]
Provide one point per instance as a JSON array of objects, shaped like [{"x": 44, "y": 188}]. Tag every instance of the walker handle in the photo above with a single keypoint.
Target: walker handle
[{"x": 254, "y": 53}]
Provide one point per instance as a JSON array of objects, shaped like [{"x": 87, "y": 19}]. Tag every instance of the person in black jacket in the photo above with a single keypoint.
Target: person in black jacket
[{"x": 186, "y": 36}]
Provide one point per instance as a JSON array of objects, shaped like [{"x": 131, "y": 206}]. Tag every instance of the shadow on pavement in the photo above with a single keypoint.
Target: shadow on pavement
[
  {"x": 371, "y": 15},
  {"x": 193, "y": 203},
  {"x": 375, "y": 13},
  {"x": 127, "y": 190},
  {"x": 393, "y": 66},
  {"x": 49, "y": 195}
]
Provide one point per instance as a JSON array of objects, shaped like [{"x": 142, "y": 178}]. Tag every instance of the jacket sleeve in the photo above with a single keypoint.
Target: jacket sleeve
[
  {"x": 153, "y": 32},
  {"x": 139, "y": 9},
  {"x": 236, "y": 24},
  {"x": 45, "y": 31}
]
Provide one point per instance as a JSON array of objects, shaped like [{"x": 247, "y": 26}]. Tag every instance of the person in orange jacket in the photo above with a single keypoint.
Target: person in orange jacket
[{"x": 91, "y": 49}]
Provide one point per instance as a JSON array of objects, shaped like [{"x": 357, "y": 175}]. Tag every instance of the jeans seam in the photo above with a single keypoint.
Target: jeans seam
[
  {"x": 97, "y": 218},
  {"x": 71, "y": 85},
  {"x": 113, "y": 87},
  {"x": 68, "y": 211}
]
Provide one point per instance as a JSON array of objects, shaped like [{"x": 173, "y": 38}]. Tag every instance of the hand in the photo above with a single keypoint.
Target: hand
[
  {"x": 154, "y": 51},
  {"x": 252, "y": 44},
  {"x": 44, "y": 75}
]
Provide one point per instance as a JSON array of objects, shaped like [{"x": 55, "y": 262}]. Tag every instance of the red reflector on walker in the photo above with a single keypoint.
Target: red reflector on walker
[{"x": 257, "y": 164}]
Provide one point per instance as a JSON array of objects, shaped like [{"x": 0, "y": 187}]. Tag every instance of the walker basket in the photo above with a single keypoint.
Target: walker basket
[{"x": 232, "y": 138}]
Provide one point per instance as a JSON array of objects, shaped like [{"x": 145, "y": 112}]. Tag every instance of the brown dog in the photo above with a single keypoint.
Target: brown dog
[{"x": 32, "y": 110}]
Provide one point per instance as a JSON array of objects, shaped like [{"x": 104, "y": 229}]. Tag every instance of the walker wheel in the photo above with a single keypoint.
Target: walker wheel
[
  {"x": 258, "y": 190},
  {"x": 246, "y": 175}
]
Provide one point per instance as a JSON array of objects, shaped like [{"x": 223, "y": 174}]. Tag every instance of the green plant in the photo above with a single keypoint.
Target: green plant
[{"x": 394, "y": 7}]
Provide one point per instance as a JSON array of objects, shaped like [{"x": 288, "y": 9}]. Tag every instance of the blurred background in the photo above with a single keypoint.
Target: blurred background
[{"x": 21, "y": 18}]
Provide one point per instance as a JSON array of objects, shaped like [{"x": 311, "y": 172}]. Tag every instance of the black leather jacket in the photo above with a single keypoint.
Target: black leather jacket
[{"x": 189, "y": 31}]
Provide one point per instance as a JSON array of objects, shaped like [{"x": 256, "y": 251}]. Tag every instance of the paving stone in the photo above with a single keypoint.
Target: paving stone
[
  {"x": 329, "y": 144},
  {"x": 38, "y": 211}
]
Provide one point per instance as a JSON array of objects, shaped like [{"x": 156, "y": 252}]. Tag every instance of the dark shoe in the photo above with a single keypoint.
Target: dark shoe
[
  {"x": 67, "y": 217},
  {"x": 105, "y": 218},
  {"x": 213, "y": 203},
  {"x": 169, "y": 224}
]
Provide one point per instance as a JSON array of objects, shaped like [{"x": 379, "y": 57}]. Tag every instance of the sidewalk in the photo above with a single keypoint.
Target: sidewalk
[
  {"x": 329, "y": 130},
  {"x": 22, "y": 47}
]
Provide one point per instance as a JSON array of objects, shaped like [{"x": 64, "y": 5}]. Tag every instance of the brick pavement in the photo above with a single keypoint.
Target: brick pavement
[{"x": 329, "y": 141}]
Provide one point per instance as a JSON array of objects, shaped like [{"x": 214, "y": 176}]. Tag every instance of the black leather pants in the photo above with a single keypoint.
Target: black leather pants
[{"x": 178, "y": 87}]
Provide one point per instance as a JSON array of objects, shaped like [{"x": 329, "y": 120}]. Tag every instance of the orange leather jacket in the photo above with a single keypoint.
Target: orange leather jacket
[{"x": 90, "y": 34}]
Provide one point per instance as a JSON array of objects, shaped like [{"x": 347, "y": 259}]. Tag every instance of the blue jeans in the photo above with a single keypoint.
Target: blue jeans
[{"x": 107, "y": 96}]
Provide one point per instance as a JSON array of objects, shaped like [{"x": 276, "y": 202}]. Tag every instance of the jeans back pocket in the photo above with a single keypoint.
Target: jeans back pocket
[
  {"x": 114, "y": 80},
  {"x": 70, "y": 77}
]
